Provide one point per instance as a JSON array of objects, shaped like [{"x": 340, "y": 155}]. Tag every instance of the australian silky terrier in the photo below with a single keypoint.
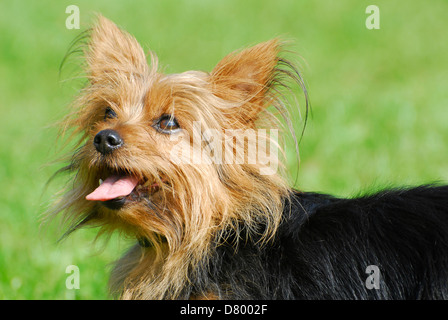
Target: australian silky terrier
[{"x": 188, "y": 164}]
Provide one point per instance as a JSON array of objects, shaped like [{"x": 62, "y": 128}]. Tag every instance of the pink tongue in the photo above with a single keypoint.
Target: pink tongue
[{"x": 113, "y": 187}]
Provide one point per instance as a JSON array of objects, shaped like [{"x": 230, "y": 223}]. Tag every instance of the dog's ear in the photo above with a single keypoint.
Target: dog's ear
[
  {"x": 245, "y": 77},
  {"x": 112, "y": 50}
]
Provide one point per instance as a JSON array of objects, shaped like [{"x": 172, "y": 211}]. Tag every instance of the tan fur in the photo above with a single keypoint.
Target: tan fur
[{"x": 196, "y": 201}]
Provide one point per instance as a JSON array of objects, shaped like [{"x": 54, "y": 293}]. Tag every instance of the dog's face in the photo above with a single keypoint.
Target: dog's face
[{"x": 142, "y": 133}]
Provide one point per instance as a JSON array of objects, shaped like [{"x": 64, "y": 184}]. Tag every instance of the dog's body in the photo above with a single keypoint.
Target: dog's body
[
  {"x": 186, "y": 164},
  {"x": 325, "y": 245}
]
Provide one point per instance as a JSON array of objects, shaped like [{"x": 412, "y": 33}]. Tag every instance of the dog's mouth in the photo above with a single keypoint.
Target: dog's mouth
[{"x": 117, "y": 189}]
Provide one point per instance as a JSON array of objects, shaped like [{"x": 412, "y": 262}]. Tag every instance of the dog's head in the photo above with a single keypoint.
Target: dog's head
[{"x": 175, "y": 157}]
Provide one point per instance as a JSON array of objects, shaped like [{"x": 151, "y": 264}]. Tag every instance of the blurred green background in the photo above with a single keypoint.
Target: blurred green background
[{"x": 379, "y": 98}]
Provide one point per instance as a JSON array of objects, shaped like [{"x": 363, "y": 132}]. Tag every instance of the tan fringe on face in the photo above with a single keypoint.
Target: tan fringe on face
[{"x": 197, "y": 202}]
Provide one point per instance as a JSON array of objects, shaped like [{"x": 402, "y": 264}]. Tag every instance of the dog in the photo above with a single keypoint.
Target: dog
[{"x": 188, "y": 164}]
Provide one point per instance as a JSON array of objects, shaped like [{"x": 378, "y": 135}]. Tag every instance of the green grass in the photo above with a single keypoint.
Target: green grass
[{"x": 379, "y": 98}]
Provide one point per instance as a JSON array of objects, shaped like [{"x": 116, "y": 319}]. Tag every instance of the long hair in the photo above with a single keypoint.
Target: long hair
[{"x": 196, "y": 202}]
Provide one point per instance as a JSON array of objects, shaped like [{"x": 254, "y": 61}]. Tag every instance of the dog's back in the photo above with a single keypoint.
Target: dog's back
[{"x": 391, "y": 245}]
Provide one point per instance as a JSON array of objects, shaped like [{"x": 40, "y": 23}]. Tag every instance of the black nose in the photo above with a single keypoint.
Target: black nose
[{"x": 107, "y": 141}]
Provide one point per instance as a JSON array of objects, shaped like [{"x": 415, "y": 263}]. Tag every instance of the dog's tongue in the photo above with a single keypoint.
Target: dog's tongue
[{"x": 113, "y": 187}]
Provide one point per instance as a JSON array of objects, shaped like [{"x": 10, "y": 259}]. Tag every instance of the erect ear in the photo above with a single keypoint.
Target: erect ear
[
  {"x": 113, "y": 50},
  {"x": 245, "y": 77}
]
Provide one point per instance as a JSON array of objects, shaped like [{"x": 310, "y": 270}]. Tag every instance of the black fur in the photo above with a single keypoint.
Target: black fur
[{"x": 324, "y": 245}]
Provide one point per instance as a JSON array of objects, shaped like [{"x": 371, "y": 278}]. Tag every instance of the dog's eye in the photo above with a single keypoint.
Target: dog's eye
[
  {"x": 167, "y": 124},
  {"x": 109, "y": 113}
]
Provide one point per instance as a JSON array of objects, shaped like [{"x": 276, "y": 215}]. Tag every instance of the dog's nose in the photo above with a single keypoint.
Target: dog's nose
[{"x": 107, "y": 141}]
